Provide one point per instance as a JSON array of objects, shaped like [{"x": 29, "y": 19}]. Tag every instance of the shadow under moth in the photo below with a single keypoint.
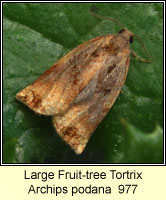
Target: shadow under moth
[{"x": 80, "y": 89}]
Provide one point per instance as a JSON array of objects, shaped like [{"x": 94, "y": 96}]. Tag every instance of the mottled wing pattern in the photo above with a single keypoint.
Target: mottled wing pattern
[
  {"x": 79, "y": 90},
  {"x": 54, "y": 91},
  {"x": 89, "y": 108}
]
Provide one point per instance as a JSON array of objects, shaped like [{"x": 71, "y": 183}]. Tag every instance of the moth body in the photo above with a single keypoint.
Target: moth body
[{"x": 80, "y": 89}]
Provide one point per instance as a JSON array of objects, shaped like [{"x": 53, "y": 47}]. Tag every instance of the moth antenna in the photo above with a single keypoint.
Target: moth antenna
[
  {"x": 109, "y": 18},
  {"x": 143, "y": 46},
  {"x": 139, "y": 58},
  {"x": 117, "y": 22}
]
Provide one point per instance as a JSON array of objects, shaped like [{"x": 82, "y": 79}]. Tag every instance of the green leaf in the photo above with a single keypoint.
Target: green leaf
[
  {"x": 142, "y": 147},
  {"x": 36, "y": 36}
]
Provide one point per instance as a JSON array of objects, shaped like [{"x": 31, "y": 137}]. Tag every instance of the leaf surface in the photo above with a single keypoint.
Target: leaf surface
[{"x": 36, "y": 36}]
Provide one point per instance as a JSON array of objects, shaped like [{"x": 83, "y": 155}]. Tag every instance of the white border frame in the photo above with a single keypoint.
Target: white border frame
[{"x": 109, "y": 164}]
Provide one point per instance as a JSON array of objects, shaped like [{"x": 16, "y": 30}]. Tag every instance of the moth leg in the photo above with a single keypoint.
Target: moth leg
[
  {"x": 139, "y": 58},
  {"x": 122, "y": 91}
]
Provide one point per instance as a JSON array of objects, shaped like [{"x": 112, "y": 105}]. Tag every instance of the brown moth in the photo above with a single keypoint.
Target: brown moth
[{"x": 79, "y": 90}]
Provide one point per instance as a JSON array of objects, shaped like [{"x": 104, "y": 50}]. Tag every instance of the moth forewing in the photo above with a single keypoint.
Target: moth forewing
[
  {"x": 79, "y": 90},
  {"x": 44, "y": 95}
]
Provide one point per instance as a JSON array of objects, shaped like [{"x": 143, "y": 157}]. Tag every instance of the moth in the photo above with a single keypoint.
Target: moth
[{"x": 79, "y": 90}]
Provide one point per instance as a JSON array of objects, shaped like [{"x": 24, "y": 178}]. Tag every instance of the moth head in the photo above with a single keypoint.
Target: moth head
[
  {"x": 131, "y": 39},
  {"x": 122, "y": 30},
  {"x": 127, "y": 34}
]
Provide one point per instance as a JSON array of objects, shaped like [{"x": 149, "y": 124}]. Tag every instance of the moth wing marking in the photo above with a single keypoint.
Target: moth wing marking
[
  {"x": 44, "y": 95},
  {"x": 80, "y": 121}
]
